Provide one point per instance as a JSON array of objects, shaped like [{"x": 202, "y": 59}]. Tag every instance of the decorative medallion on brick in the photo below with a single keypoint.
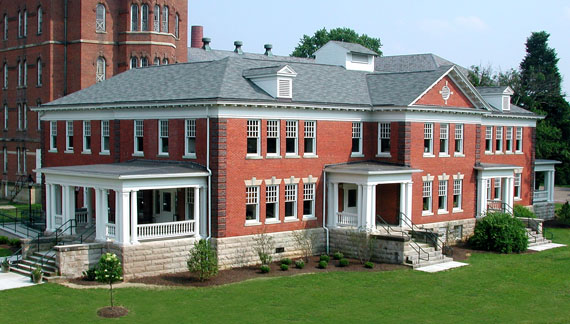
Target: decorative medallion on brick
[{"x": 445, "y": 92}]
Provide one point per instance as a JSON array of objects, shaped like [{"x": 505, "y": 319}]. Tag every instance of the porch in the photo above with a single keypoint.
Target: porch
[
  {"x": 544, "y": 181},
  {"x": 496, "y": 190},
  {"x": 128, "y": 202}
]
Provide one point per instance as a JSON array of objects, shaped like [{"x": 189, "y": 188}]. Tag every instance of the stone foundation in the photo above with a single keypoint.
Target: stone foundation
[
  {"x": 544, "y": 210},
  {"x": 72, "y": 260},
  {"x": 387, "y": 249},
  {"x": 240, "y": 251},
  {"x": 449, "y": 227}
]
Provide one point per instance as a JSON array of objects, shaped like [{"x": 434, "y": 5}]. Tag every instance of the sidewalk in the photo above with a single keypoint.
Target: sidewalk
[
  {"x": 561, "y": 194},
  {"x": 12, "y": 280}
]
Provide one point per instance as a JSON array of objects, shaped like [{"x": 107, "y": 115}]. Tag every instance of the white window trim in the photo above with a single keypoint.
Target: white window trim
[
  {"x": 52, "y": 134},
  {"x": 442, "y": 188},
  {"x": 430, "y": 151},
  {"x": 384, "y": 132},
  {"x": 100, "y": 24},
  {"x": 489, "y": 137},
  {"x": 499, "y": 137},
  {"x": 314, "y": 191},
  {"x": 518, "y": 139},
  {"x": 189, "y": 132},
  {"x": 276, "y": 202},
  {"x": 160, "y": 137},
  {"x": 444, "y": 135},
  {"x": 294, "y": 154},
  {"x": 314, "y": 153},
  {"x": 249, "y": 222},
  {"x": 459, "y": 136},
  {"x": 86, "y": 126},
  {"x": 136, "y": 152},
  {"x": 294, "y": 199},
  {"x": 357, "y": 133},
  {"x": 269, "y": 134},
  {"x": 509, "y": 139},
  {"x": 498, "y": 185},
  {"x": 253, "y": 127},
  {"x": 68, "y": 136},
  {"x": 102, "y": 150},
  {"x": 459, "y": 207},
  {"x": 518, "y": 176},
  {"x": 429, "y": 211}
]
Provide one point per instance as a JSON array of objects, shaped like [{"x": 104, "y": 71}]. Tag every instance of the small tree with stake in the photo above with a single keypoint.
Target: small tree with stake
[{"x": 109, "y": 271}]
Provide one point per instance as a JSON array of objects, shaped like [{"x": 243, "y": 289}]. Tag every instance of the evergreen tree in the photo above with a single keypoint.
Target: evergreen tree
[{"x": 308, "y": 45}]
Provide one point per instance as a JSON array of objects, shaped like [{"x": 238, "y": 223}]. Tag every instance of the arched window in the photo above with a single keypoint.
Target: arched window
[
  {"x": 19, "y": 24},
  {"x": 164, "y": 19},
  {"x": 5, "y": 75},
  {"x": 19, "y": 73},
  {"x": 100, "y": 18},
  {"x": 165, "y": 61},
  {"x": 134, "y": 62},
  {"x": 144, "y": 62},
  {"x": 25, "y": 81},
  {"x": 40, "y": 20},
  {"x": 39, "y": 67},
  {"x": 134, "y": 17},
  {"x": 156, "y": 14},
  {"x": 156, "y": 61},
  {"x": 177, "y": 26},
  {"x": 144, "y": 17},
  {"x": 5, "y": 27},
  {"x": 100, "y": 73},
  {"x": 25, "y": 26}
]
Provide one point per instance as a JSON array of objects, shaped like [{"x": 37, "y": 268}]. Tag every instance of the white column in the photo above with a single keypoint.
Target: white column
[
  {"x": 134, "y": 217},
  {"x": 334, "y": 198},
  {"x": 197, "y": 204},
  {"x": 481, "y": 196},
  {"x": 53, "y": 197},
  {"x": 203, "y": 212},
  {"x": 67, "y": 207},
  {"x": 550, "y": 186},
  {"x": 359, "y": 213},
  {"x": 511, "y": 191},
  {"x": 49, "y": 214},
  {"x": 122, "y": 215},
  {"x": 403, "y": 200},
  {"x": 366, "y": 208},
  {"x": 88, "y": 205},
  {"x": 373, "y": 207},
  {"x": 409, "y": 200},
  {"x": 71, "y": 207},
  {"x": 101, "y": 216}
]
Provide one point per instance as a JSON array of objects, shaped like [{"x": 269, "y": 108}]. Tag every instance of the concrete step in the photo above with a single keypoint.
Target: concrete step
[
  {"x": 32, "y": 264},
  {"x": 424, "y": 263},
  {"x": 539, "y": 243},
  {"x": 38, "y": 260},
  {"x": 27, "y": 269}
]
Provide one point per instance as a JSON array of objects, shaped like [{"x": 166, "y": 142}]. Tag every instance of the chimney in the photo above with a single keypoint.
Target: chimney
[
  {"x": 268, "y": 48},
  {"x": 206, "y": 46},
  {"x": 196, "y": 36},
  {"x": 238, "y": 45}
]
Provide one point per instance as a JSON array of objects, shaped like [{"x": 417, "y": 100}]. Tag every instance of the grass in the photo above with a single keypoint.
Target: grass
[
  {"x": 5, "y": 252},
  {"x": 528, "y": 288}
]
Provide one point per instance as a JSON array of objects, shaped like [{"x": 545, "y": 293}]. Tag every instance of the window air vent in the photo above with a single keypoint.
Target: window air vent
[{"x": 284, "y": 88}]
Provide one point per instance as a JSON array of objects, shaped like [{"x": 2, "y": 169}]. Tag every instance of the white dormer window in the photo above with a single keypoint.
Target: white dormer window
[
  {"x": 506, "y": 103},
  {"x": 359, "y": 58},
  {"x": 276, "y": 81},
  {"x": 284, "y": 88}
]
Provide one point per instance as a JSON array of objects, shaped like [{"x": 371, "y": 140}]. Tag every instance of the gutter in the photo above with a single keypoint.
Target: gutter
[
  {"x": 324, "y": 210},
  {"x": 209, "y": 173},
  {"x": 65, "y": 49}
]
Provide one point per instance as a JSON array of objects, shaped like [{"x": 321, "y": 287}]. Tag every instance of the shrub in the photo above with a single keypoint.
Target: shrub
[
  {"x": 264, "y": 247},
  {"x": 369, "y": 265},
  {"x": 499, "y": 232},
  {"x": 15, "y": 243},
  {"x": 325, "y": 257},
  {"x": 338, "y": 255},
  {"x": 284, "y": 267},
  {"x": 264, "y": 268},
  {"x": 299, "y": 264},
  {"x": 108, "y": 271},
  {"x": 203, "y": 260},
  {"x": 89, "y": 275},
  {"x": 563, "y": 214},
  {"x": 4, "y": 240},
  {"x": 521, "y": 211},
  {"x": 343, "y": 262},
  {"x": 286, "y": 261},
  {"x": 323, "y": 264}
]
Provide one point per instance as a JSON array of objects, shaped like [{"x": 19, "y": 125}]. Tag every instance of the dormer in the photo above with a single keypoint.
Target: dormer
[
  {"x": 349, "y": 55},
  {"x": 277, "y": 81},
  {"x": 498, "y": 97}
]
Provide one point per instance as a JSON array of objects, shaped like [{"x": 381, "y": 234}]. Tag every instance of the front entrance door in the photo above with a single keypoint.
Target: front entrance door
[
  {"x": 167, "y": 209},
  {"x": 350, "y": 198}
]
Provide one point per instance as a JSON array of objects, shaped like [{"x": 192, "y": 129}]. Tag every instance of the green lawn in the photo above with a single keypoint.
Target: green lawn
[
  {"x": 5, "y": 252},
  {"x": 531, "y": 288}
]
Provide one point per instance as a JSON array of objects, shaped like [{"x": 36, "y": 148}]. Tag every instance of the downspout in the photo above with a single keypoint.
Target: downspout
[
  {"x": 65, "y": 48},
  {"x": 209, "y": 173},
  {"x": 324, "y": 209}
]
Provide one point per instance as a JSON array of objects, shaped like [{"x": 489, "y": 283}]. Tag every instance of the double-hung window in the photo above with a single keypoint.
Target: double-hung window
[
  {"x": 19, "y": 24},
  {"x": 497, "y": 188},
  {"x": 272, "y": 203},
  {"x": 444, "y": 139},
  {"x": 139, "y": 137},
  {"x": 310, "y": 138},
  {"x": 488, "y": 139},
  {"x": 457, "y": 190},
  {"x": 273, "y": 137},
  {"x": 291, "y": 201},
  {"x": 309, "y": 200},
  {"x": 426, "y": 194},
  {"x": 428, "y": 139},
  {"x": 356, "y": 138},
  {"x": 134, "y": 17},
  {"x": 517, "y": 186},
  {"x": 384, "y": 139},
  {"x": 458, "y": 139},
  {"x": 252, "y": 204},
  {"x": 253, "y": 138},
  {"x": 53, "y": 136},
  {"x": 69, "y": 136},
  {"x": 518, "y": 139},
  {"x": 509, "y": 140},
  {"x": 86, "y": 136},
  {"x": 163, "y": 137},
  {"x": 291, "y": 137},
  {"x": 488, "y": 189},
  {"x": 190, "y": 138},
  {"x": 499, "y": 139},
  {"x": 442, "y": 196},
  {"x": 105, "y": 137}
]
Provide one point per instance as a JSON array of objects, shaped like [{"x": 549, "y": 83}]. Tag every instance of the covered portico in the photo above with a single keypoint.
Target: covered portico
[
  {"x": 152, "y": 199},
  {"x": 353, "y": 193},
  {"x": 500, "y": 195}
]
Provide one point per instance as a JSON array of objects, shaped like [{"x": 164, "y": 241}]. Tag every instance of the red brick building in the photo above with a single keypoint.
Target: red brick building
[
  {"x": 233, "y": 144},
  {"x": 51, "y": 48}
]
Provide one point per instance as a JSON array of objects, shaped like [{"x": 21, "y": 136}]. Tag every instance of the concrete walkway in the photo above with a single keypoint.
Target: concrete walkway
[
  {"x": 441, "y": 266},
  {"x": 544, "y": 247},
  {"x": 12, "y": 280},
  {"x": 561, "y": 194}
]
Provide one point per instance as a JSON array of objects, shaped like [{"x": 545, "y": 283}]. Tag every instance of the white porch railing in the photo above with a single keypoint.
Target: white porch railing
[
  {"x": 58, "y": 220},
  {"x": 160, "y": 230},
  {"x": 81, "y": 216},
  {"x": 540, "y": 195},
  {"x": 110, "y": 230},
  {"x": 346, "y": 219},
  {"x": 494, "y": 205}
]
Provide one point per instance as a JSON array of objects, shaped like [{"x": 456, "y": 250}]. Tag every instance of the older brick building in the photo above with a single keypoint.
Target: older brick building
[{"x": 51, "y": 48}]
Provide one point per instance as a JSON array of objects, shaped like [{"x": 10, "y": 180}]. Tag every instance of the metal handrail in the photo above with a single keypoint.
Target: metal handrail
[
  {"x": 70, "y": 224},
  {"x": 387, "y": 226},
  {"x": 5, "y": 218},
  {"x": 419, "y": 249},
  {"x": 86, "y": 234}
]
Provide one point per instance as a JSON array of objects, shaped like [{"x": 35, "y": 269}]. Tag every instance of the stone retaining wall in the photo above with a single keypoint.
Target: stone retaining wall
[
  {"x": 240, "y": 251},
  {"x": 386, "y": 249},
  {"x": 72, "y": 260},
  {"x": 544, "y": 210},
  {"x": 468, "y": 228}
]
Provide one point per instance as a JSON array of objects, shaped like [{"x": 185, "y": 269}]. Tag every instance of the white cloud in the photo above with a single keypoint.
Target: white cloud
[{"x": 471, "y": 22}]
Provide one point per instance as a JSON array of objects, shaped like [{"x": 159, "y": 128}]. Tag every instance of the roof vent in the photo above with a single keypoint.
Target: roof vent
[
  {"x": 206, "y": 44},
  {"x": 268, "y": 48},
  {"x": 238, "y": 45}
]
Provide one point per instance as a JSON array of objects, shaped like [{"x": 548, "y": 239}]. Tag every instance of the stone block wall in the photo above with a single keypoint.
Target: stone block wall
[
  {"x": 468, "y": 228},
  {"x": 72, "y": 260},
  {"x": 240, "y": 251},
  {"x": 544, "y": 210},
  {"x": 386, "y": 249}
]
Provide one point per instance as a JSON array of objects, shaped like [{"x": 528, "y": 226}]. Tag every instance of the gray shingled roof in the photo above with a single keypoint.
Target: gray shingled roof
[
  {"x": 200, "y": 55},
  {"x": 492, "y": 90},
  {"x": 355, "y": 48},
  {"x": 262, "y": 71},
  {"x": 413, "y": 63}
]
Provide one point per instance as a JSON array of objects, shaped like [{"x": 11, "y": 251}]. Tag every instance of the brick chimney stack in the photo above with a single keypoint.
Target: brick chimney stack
[{"x": 196, "y": 37}]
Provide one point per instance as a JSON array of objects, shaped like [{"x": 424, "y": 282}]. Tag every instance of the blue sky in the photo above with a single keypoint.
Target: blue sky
[{"x": 467, "y": 33}]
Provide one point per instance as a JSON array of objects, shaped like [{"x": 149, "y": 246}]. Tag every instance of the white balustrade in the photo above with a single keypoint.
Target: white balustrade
[
  {"x": 110, "y": 231},
  {"x": 81, "y": 216},
  {"x": 346, "y": 219},
  {"x": 160, "y": 230},
  {"x": 540, "y": 195}
]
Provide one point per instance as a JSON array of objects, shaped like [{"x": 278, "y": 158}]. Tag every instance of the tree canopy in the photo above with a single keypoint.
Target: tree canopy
[{"x": 308, "y": 45}]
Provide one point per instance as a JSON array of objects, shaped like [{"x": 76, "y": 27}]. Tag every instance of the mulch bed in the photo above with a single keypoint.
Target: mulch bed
[{"x": 112, "y": 312}]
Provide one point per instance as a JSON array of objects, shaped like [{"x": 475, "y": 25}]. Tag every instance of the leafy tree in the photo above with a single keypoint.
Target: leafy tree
[
  {"x": 308, "y": 45},
  {"x": 108, "y": 271},
  {"x": 481, "y": 76},
  {"x": 203, "y": 260}
]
